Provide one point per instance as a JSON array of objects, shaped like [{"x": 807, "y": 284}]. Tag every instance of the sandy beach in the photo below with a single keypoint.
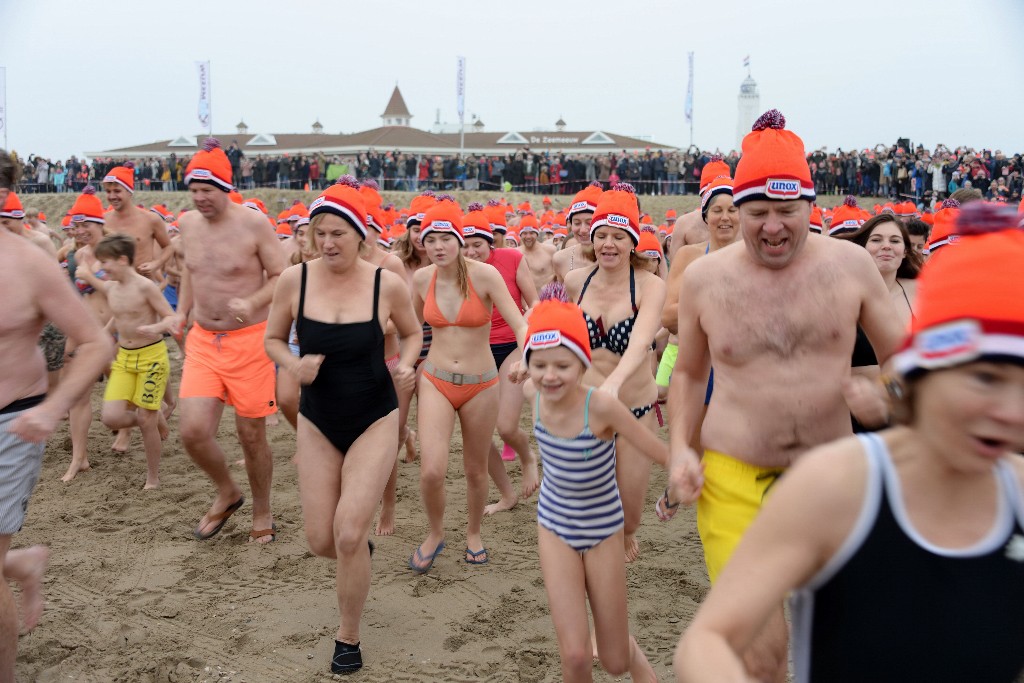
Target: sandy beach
[{"x": 131, "y": 597}]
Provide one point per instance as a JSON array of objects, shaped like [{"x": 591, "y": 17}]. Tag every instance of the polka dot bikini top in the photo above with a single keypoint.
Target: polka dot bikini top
[{"x": 616, "y": 339}]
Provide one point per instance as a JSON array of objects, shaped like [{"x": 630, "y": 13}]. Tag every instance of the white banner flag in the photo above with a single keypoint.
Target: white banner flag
[
  {"x": 460, "y": 88},
  {"x": 3, "y": 103},
  {"x": 205, "y": 116}
]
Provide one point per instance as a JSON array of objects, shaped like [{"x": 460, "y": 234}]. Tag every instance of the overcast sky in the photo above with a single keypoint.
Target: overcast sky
[{"x": 89, "y": 76}]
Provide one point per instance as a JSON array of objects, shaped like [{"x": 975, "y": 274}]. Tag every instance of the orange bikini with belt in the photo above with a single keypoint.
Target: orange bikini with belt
[{"x": 461, "y": 388}]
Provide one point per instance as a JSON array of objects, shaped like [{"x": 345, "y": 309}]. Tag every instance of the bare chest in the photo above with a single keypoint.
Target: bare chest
[
  {"x": 221, "y": 257},
  {"x": 788, "y": 318},
  {"x": 127, "y": 302},
  {"x": 135, "y": 226}
]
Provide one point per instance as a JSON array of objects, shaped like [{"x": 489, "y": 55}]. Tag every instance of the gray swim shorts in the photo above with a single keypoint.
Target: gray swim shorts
[{"x": 20, "y": 463}]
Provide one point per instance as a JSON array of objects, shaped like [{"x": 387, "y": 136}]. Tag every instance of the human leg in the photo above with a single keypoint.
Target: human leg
[
  {"x": 633, "y": 473},
  {"x": 477, "y": 417},
  {"x": 288, "y": 397},
  {"x": 259, "y": 466},
  {"x": 510, "y": 408},
  {"x": 507, "y": 498},
  {"x": 149, "y": 427},
  {"x": 565, "y": 582},
  {"x": 26, "y": 567},
  {"x": 606, "y": 592},
  {"x": 436, "y": 419},
  {"x": 8, "y": 620},
  {"x": 198, "y": 420},
  {"x": 80, "y": 418}
]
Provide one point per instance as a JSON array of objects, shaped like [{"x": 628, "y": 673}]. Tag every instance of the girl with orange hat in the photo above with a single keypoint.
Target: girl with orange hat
[
  {"x": 618, "y": 289},
  {"x": 579, "y": 512},
  {"x": 903, "y": 551},
  {"x": 88, "y": 223},
  {"x": 515, "y": 272},
  {"x": 459, "y": 377}
]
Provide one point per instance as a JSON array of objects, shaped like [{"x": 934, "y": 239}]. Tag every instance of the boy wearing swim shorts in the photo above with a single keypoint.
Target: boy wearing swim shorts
[{"x": 139, "y": 375}]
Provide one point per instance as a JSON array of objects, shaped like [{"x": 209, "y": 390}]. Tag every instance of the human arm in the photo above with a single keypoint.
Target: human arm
[
  {"x": 688, "y": 384},
  {"x": 160, "y": 236},
  {"x": 670, "y": 313},
  {"x": 83, "y": 272},
  {"x": 410, "y": 332},
  {"x": 497, "y": 291},
  {"x": 273, "y": 261},
  {"x": 527, "y": 287},
  {"x": 60, "y": 304},
  {"x": 279, "y": 326},
  {"x": 648, "y": 322},
  {"x": 810, "y": 512},
  {"x": 162, "y": 309}
]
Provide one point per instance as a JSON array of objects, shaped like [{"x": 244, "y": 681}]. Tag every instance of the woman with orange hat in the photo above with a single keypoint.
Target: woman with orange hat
[
  {"x": 903, "y": 551},
  {"x": 577, "y": 251},
  {"x": 579, "y": 512},
  {"x": 619, "y": 289},
  {"x": 512, "y": 266},
  {"x": 722, "y": 218},
  {"x": 88, "y": 223},
  {"x": 348, "y": 411},
  {"x": 459, "y": 376}
]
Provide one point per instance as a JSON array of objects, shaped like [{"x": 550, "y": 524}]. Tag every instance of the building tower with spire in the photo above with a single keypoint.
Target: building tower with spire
[
  {"x": 396, "y": 113},
  {"x": 749, "y": 107}
]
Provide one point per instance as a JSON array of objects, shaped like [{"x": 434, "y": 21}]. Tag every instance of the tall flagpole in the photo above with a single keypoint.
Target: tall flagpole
[
  {"x": 460, "y": 90},
  {"x": 689, "y": 97}
]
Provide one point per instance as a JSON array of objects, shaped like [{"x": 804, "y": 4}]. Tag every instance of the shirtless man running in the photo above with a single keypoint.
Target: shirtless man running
[
  {"x": 145, "y": 226},
  {"x": 776, "y": 315},
  {"x": 35, "y": 290},
  {"x": 577, "y": 218},
  {"x": 538, "y": 255},
  {"x": 231, "y": 262}
]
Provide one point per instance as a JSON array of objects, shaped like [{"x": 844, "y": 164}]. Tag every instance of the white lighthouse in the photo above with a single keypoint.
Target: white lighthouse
[{"x": 748, "y": 110}]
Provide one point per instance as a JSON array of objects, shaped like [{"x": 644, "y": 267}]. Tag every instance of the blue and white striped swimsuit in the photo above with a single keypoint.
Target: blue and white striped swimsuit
[{"x": 579, "y": 497}]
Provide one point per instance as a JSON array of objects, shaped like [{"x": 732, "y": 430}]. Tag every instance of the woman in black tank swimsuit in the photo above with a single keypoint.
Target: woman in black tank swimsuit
[
  {"x": 347, "y": 432},
  {"x": 888, "y": 242}
]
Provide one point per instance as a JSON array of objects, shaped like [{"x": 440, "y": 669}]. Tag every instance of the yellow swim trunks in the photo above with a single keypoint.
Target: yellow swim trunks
[
  {"x": 139, "y": 376},
  {"x": 732, "y": 496},
  {"x": 668, "y": 362}
]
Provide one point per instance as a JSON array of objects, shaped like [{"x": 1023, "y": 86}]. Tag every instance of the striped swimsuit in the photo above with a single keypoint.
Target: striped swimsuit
[{"x": 579, "y": 498}]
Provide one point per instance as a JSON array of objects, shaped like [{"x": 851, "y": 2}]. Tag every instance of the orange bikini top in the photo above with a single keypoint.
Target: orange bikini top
[{"x": 472, "y": 313}]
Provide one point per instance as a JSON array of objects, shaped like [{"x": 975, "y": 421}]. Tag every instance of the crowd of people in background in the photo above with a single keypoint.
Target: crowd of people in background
[{"x": 894, "y": 171}]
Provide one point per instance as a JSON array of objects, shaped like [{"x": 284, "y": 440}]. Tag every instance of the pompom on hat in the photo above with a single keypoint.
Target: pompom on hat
[
  {"x": 968, "y": 305},
  {"x": 713, "y": 169},
  {"x": 123, "y": 176},
  {"x": 12, "y": 208},
  {"x": 444, "y": 216},
  {"x": 585, "y": 201},
  {"x": 87, "y": 207},
  {"x": 476, "y": 224},
  {"x": 944, "y": 230},
  {"x": 618, "y": 208},
  {"x": 718, "y": 186},
  {"x": 556, "y": 323},
  {"x": 773, "y": 165},
  {"x": 210, "y": 165},
  {"x": 343, "y": 200}
]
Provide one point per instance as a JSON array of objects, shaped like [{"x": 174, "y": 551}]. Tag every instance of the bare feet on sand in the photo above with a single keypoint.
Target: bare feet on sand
[
  {"x": 272, "y": 420},
  {"x": 531, "y": 477},
  {"x": 74, "y": 468},
  {"x": 162, "y": 427},
  {"x": 27, "y": 566},
  {"x": 122, "y": 442},
  {"x": 632, "y": 547},
  {"x": 386, "y": 523},
  {"x": 502, "y": 505},
  {"x": 168, "y": 407},
  {"x": 150, "y": 485},
  {"x": 640, "y": 670}
]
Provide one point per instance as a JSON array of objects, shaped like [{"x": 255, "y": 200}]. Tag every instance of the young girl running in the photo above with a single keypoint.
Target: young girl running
[{"x": 579, "y": 513}]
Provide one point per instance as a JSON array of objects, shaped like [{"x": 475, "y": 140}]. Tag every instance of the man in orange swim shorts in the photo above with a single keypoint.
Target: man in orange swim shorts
[{"x": 231, "y": 262}]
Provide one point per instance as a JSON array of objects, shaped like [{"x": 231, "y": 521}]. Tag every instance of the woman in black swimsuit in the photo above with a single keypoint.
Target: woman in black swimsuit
[
  {"x": 348, "y": 412},
  {"x": 622, "y": 305},
  {"x": 886, "y": 239}
]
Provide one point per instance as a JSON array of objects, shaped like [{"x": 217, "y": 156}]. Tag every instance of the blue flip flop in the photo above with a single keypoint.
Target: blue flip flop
[
  {"x": 420, "y": 557},
  {"x": 476, "y": 555}
]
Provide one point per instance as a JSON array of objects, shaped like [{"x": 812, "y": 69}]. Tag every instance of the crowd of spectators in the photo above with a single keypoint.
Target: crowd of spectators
[{"x": 899, "y": 172}]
